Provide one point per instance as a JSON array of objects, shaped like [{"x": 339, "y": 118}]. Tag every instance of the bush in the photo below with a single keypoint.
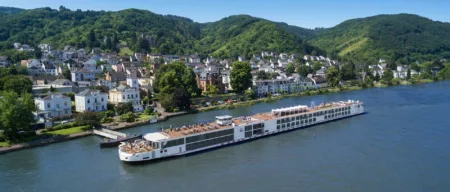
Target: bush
[
  {"x": 61, "y": 126},
  {"x": 108, "y": 113},
  {"x": 88, "y": 118},
  {"x": 61, "y": 118},
  {"x": 2, "y": 138},
  {"x": 123, "y": 108},
  {"x": 149, "y": 111},
  {"x": 106, "y": 120},
  {"x": 128, "y": 117}
]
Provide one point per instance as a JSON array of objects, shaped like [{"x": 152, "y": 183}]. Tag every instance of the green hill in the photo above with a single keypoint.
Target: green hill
[
  {"x": 244, "y": 35},
  {"x": 166, "y": 34},
  {"x": 10, "y": 10},
  {"x": 401, "y": 37}
]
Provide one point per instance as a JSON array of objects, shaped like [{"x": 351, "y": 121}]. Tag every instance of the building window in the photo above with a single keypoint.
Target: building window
[
  {"x": 95, "y": 100},
  {"x": 89, "y": 101},
  {"x": 48, "y": 105},
  {"x": 65, "y": 103}
]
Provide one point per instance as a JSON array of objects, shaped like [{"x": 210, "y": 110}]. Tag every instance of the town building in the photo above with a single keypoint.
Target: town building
[
  {"x": 208, "y": 78},
  {"x": 91, "y": 100},
  {"x": 82, "y": 75},
  {"x": 54, "y": 105},
  {"x": 124, "y": 94}
]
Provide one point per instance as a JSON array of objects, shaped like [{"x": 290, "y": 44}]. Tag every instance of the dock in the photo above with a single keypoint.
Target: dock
[{"x": 109, "y": 133}]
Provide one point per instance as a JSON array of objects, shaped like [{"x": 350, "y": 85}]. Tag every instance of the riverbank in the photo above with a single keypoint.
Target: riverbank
[{"x": 165, "y": 116}]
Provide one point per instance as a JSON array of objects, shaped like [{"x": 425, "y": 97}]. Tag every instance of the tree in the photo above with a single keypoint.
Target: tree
[
  {"x": 17, "y": 83},
  {"x": 348, "y": 71},
  {"x": 377, "y": 77},
  {"x": 88, "y": 118},
  {"x": 67, "y": 75},
  {"x": 240, "y": 76},
  {"x": 211, "y": 89},
  {"x": 317, "y": 65},
  {"x": 250, "y": 94},
  {"x": 128, "y": 117},
  {"x": 408, "y": 74},
  {"x": 262, "y": 75},
  {"x": 109, "y": 44},
  {"x": 333, "y": 76},
  {"x": 388, "y": 75},
  {"x": 368, "y": 82},
  {"x": 149, "y": 111},
  {"x": 123, "y": 108},
  {"x": 16, "y": 114},
  {"x": 181, "y": 99},
  {"x": 37, "y": 53},
  {"x": 290, "y": 68},
  {"x": 176, "y": 75},
  {"x": 304, "y": 70},
  {"x": 91, "y": 38}
]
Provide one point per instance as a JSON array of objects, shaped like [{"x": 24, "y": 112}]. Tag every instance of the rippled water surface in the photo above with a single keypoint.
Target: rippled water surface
[{"x": 401, "y": 144}]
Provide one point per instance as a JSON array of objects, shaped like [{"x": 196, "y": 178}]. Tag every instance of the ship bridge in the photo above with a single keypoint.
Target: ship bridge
[{"x": 224, "y": 120}]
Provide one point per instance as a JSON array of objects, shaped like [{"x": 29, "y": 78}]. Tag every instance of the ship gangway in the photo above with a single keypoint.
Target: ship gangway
[{"x": 109, "y": 133}]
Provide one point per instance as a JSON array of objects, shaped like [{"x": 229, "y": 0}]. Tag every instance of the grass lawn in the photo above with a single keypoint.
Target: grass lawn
[
  {"x": 69, "y": 130},
  {"x": 144, "y": 117},
  {"x": 4, "y": 144}
]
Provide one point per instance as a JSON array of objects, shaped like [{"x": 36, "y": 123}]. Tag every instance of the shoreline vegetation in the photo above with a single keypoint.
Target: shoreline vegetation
[{"x": 82, "y": 131}]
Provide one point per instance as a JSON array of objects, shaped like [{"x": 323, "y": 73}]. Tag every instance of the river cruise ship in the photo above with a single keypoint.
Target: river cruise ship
[{"x": 227, "y": 130}]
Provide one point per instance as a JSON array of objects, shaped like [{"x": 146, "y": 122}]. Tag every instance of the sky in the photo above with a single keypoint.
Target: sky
[{"x": 308, "y": 14}]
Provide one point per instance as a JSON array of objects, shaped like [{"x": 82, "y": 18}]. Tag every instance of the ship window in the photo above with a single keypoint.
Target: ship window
[
  {"x": 248, "y": 128},
  {"x": 283, "y": 126},
  {"x": 310, "y": 115},
  {"x": 292, "y": 124},
  {"x": 282, "y": 121},
  {"x": 310, "y": 120},
  {"x": 288, "y": 125},
  {"x": 325, "y": 117},
  {"x": 293, "y": 119},
  {"x": 278, "y": 121},
  {"x": 278, "y": 126},
  {"x": 297, "y": 118},
  {"x": 314, "y": 119},
  {"x": 301, "y": 121},
  {"x": 297, "y": 123}
]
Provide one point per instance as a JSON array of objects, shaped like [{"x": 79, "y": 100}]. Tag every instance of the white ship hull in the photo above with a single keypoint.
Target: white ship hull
[{"x": 271, "y": 127}]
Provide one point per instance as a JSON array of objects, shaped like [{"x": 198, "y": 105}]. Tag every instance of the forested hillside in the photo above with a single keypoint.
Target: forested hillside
[
  {"x": 404, "y": 38},
  {"x": 244, "y": 35},
  {"x": 149, "y": 32},
  {"x": 10, "y": 10}
]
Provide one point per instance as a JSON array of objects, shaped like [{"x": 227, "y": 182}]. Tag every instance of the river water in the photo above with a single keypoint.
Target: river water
[{"x": 401, "y": 144}]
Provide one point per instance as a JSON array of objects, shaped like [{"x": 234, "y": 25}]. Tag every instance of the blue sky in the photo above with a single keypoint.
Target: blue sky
[{"x": 309, "y": 14}]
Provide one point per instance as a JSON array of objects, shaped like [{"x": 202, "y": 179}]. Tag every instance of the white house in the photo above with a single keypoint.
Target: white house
[
  {"x": 91, "y": 100},
  {"x": 281, "y": 85},
  {"x": 124, "y": 94},
  {"x": 54, "y": 105},
  {"x": 82, "y": 75}
]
